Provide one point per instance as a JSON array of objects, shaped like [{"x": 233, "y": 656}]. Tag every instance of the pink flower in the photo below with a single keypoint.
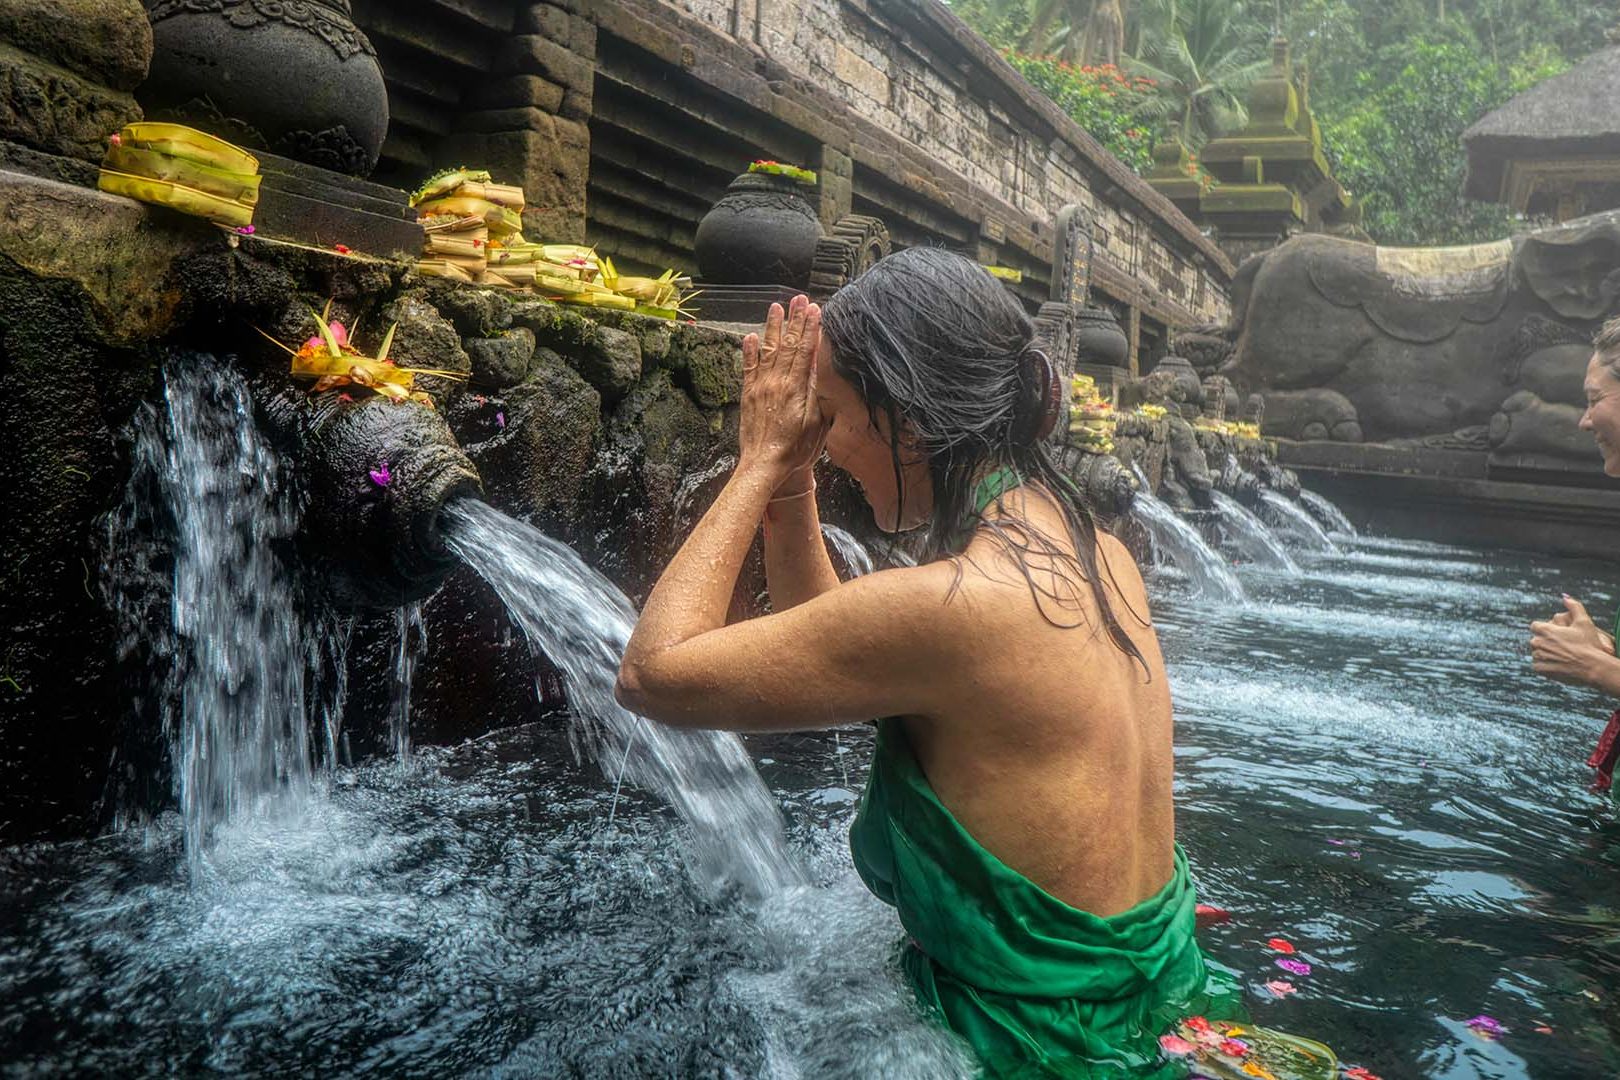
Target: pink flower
[
  {"x": 247, "y": 230},
  {"x": 116, "y": 139},
  {"x": 1176, "y": 1045},
  {"x": 381, "y": 476},
  {"x": 500, "y": 420},
  {"x": 341, "y": 249},
  {"x": 1486, "y": 1027},
  {"x": 1281, "y": 987},
  {"x": 1298, "y": 967}
]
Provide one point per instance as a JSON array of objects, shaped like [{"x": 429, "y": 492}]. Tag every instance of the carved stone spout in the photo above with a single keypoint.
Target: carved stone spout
[{"x": 377, "y": 476}]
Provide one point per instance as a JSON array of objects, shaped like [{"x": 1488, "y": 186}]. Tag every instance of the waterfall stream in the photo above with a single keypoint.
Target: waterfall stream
[
  {"x": 1331, "y": 517},
  {"x": 581, "y": 622},
  {"x": 1252, "y": 537},
  {"x": 238, "y": 705},
  {"x": 1296, "y": 520},
  {"x": 1177, "y": 541}
]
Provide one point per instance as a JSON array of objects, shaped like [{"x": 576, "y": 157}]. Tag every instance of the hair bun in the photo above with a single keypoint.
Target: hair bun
[{"x": 1040, "y": 399}]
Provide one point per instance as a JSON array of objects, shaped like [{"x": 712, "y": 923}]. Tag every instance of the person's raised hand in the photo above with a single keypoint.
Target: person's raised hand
[
  {"x": 1569, "y": 647},
  {"x": 782, "y": 429}
]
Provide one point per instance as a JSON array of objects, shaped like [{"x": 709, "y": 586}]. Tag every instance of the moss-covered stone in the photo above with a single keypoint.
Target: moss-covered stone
[
  {"x": 611, "y": 362},
  {"x": 502, "y": 361},
  {"x": 474, "y": 312},
  {"x": 425, "y": 339},
  {"x": 109, "y": 41},
  {"x": 709, "y": 361},
  {"x": 534, "y": 442},
  {"x": 52, "y": 109}
]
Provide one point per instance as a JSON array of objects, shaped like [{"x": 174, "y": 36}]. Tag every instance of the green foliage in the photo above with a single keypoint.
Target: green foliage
[
  {"x": 1400, "y": 151},
  {"x": 1201, "y": 56},
  {"x": 1393, "y": 83},
  {"x": 1102, "y": 99}
]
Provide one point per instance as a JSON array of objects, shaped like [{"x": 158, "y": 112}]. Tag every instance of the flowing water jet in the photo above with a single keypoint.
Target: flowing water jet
[
  {"x": 1297, "y": 521},
  {"x": 1251, "y": 536},
  {"x": 1177, "y": 541},
  {"x": 1331, "y": 517},
  {"x": 581, "y": 623},
  {"x": 853, "y": 553}
]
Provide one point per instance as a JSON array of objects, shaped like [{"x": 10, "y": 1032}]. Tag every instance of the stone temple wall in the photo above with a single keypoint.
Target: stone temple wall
[
  {"x": 910, "y": 69},
  {"x": 624, "y": 122}
]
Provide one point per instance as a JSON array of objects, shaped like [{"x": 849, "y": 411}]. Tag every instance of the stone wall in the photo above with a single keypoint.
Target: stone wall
[
  {"x": 896, "y": 99},
  {"x": 588, "y": 427},
  {"x": 625, "y": 121}
]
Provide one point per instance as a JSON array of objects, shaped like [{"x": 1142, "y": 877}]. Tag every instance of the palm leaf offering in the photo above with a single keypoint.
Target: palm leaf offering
[
  {"x": 474, "y": 234},
  {"x": 333, "y": 362},
  {"x": 184, "y": 169}
]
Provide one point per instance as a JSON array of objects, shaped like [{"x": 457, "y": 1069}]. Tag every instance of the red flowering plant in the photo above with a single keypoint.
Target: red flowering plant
[{"x": 1113, "y": 105}]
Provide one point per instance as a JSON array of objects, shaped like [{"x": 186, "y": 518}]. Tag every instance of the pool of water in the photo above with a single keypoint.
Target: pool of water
[{"x": 1367, "y": 769}]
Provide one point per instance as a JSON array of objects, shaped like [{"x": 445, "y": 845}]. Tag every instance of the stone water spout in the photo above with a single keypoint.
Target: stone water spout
[{"x": 377, "y": 477}]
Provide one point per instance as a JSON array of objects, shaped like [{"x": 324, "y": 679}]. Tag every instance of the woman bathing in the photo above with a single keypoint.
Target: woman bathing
[
  {"x": 1569, "y": 647},
  {"x": 1018, "y": 813}
]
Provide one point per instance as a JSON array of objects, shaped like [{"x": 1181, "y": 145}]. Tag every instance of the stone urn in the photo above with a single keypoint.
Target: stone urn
[
  {"x": 294, "y": 77},
  {"x": 1098, "y": 338},
  {"x": 763, "y": 231}
]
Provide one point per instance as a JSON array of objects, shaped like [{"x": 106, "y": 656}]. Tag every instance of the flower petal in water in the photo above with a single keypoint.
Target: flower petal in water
[
  {"x": 1486, "y": 1027},
  {"x": 1281, "y": 987},
  {"x": 1281, "y": 945},
  {"x": 1176, "y": 1045},
  {"x": 1298, "y": 967}
]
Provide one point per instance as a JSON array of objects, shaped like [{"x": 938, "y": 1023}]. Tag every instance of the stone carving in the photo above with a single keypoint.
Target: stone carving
[
  {"x": 304, "y": 80},
  {"x": 331, "y": 26},
  {"x": 1348, "y": 341},
  {"x": 855, "y": 244}
]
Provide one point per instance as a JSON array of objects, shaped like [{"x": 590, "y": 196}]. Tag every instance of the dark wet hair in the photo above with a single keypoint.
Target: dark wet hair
[{"x": 941, "y": 349}]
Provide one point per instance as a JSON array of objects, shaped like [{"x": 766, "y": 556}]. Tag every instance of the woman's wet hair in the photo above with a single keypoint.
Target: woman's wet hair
[
  {"x": 941, "y": 350},
  {"x": 1607, "y": 344}
]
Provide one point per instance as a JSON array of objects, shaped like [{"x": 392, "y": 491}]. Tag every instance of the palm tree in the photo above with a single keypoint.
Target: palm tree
[
  {"x": 1057, "y": 26},
  {"x": 1203, "y": 55}
]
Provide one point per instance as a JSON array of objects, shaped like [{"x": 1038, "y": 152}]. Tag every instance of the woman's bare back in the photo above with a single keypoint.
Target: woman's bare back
[{"x": 1056, "y": 750}]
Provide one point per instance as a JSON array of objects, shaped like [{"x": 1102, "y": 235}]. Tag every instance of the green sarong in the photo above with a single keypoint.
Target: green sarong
[{"x": 1036, "y": 987}]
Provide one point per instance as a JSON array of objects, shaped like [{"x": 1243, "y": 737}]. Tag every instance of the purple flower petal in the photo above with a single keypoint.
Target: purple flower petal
[
  {"x": 1298, "y": 967},
  {"x": 381, "y": 476},
  {"x": 500, "y": 420}
]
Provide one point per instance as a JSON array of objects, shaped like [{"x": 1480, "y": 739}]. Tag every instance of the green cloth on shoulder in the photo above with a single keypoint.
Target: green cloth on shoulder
[{"x": 1038, "y": 988}]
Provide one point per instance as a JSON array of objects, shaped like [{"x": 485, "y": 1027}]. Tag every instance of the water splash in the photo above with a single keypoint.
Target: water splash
[
  {"x": 1177, "y": 541},
  {"x": 695, "y": 481},
  {"x": 1330, "y": 515},
  {"x": 1296, "y": 520},
  {"x": 854, "y": 554},
  {"x": 581, "y": 622},
  {"x": 237, "y": 654},
  {"x": 1251, "y": 536},
  {"x": 412, "y": 646}
]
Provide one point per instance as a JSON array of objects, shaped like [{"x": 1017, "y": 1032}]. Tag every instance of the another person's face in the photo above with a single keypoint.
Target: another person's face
[
  {"x": 863, "y": 450},
  {"x": 1602, "y": 415}
]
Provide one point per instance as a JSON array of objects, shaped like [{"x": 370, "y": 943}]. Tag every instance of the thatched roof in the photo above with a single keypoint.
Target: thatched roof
[{"x": 1576, "y": 113}]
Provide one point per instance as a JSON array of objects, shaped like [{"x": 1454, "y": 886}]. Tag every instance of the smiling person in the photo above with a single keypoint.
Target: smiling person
[
  {"x": 1569, "y": 647},
  {"x": 1018, "y": 813}
]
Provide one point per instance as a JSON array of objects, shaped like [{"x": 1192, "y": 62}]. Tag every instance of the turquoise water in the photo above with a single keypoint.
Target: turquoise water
[{"x": 1367, "y": 769}]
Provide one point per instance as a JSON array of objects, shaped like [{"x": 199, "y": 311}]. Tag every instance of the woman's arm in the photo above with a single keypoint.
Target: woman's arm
[
  {"x": 780, "y": 434},
  {"x": 796, "y": 564}
]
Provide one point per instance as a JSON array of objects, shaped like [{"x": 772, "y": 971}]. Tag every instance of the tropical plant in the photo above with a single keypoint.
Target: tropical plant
[
  {"x": 1104, "y": 100},
  {"x": 1201, "y": 56}
]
